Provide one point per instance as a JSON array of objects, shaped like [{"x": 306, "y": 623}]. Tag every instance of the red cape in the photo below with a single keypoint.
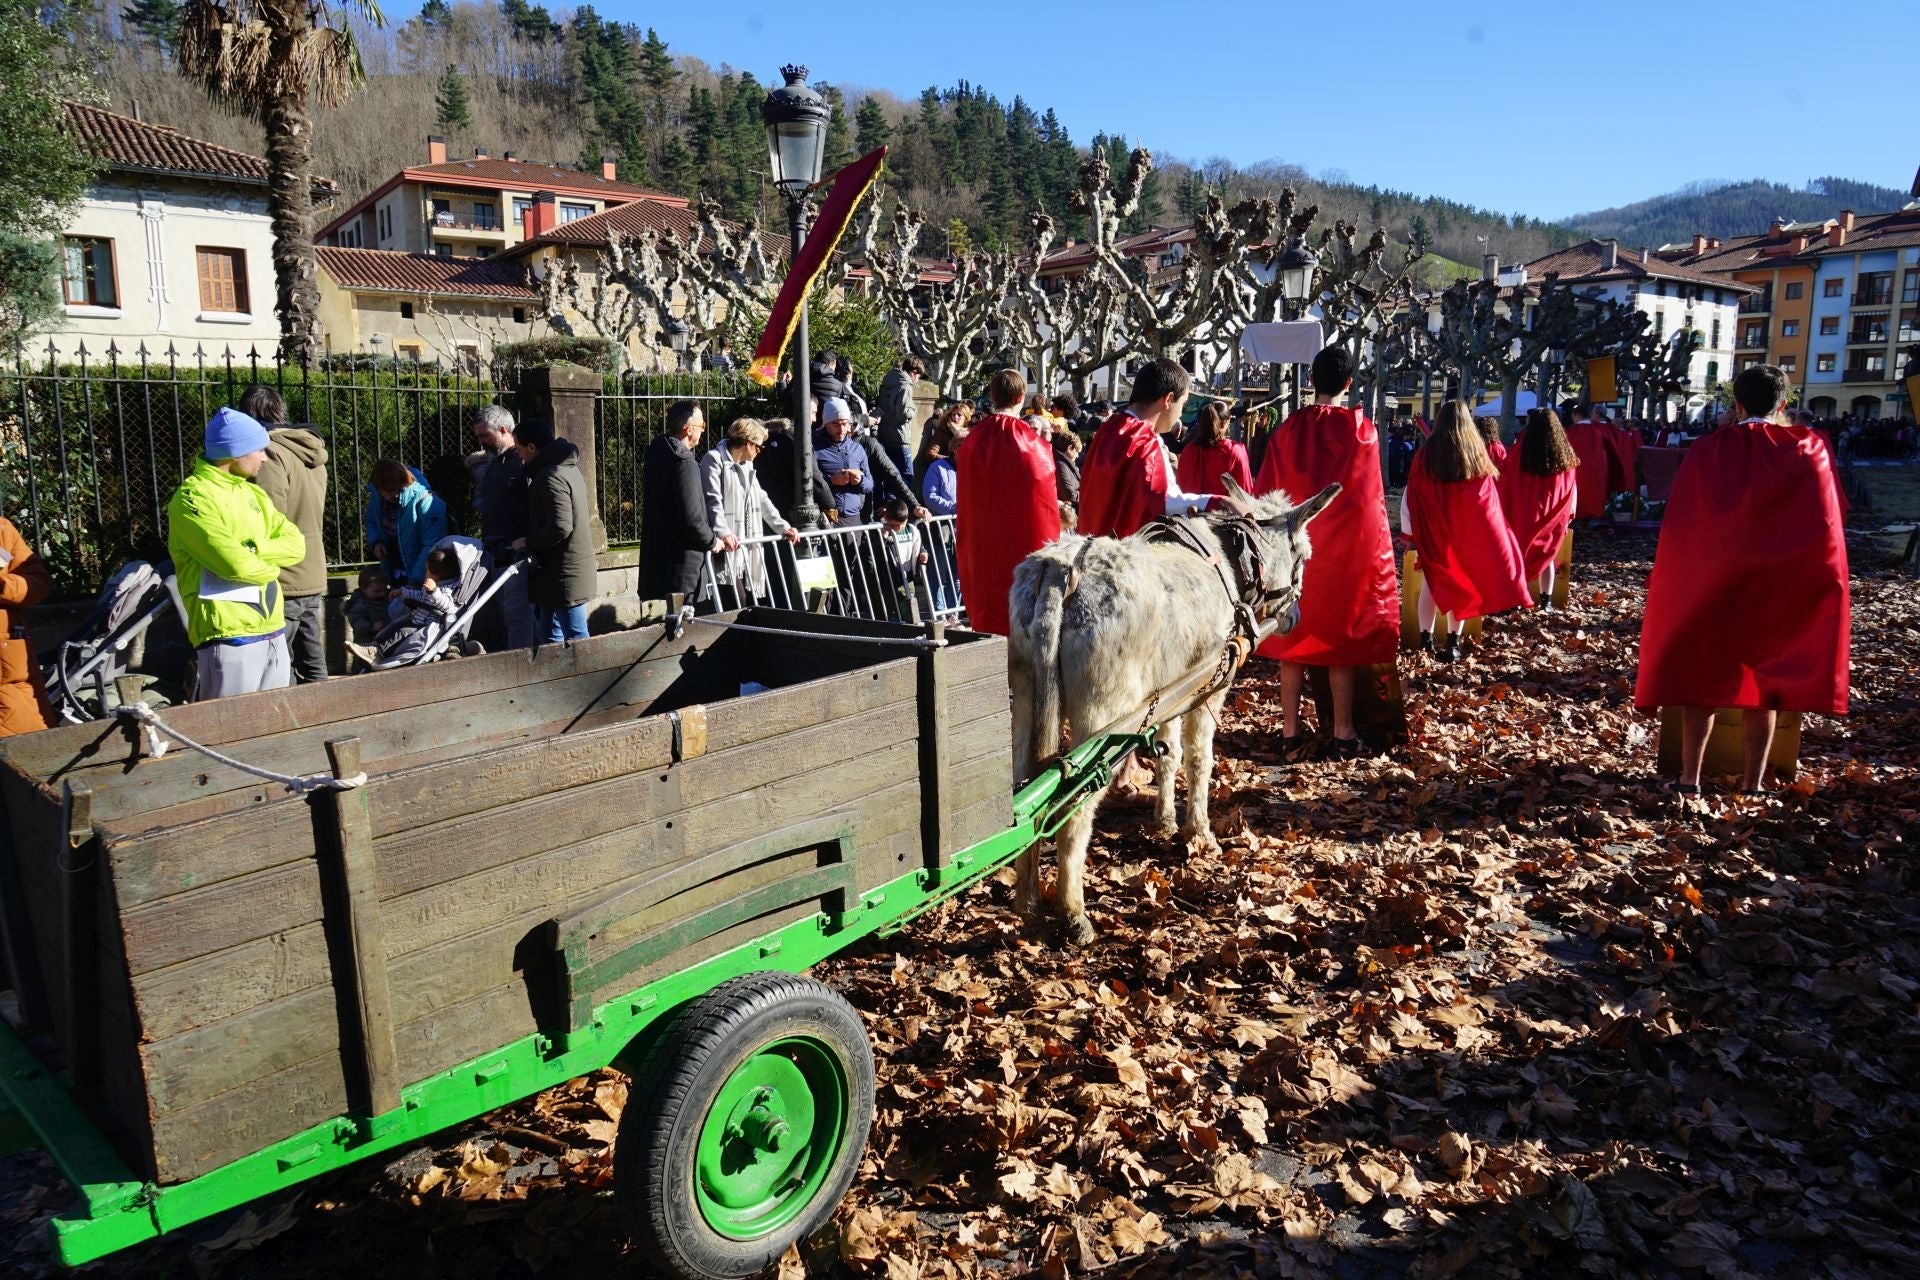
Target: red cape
[
  {"x": 1201, "y": 466},
  {"x": 1469, "y": 556},
  {"x": 1005, "y": 512},
  {"x": 1349, "y": 596},
  {"x": 1123, "y": 478},
  {"x": 1498, "y": 452},
  {"x": 1589, "y": 441},
  {"x": 1538, "y": 510},
  {"x": 1839, "y": 488},
  {"x": 1748, "y": 606}
]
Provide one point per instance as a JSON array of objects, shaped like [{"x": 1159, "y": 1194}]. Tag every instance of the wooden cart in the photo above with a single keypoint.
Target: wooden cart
[{"x": 616, "y": 850}]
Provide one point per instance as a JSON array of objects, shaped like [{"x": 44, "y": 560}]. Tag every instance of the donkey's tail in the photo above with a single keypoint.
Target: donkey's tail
[{"x": 1044, "y": 651}]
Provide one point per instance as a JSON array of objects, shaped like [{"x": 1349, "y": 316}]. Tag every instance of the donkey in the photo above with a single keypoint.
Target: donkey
[{"x": 1099, "y": 625}]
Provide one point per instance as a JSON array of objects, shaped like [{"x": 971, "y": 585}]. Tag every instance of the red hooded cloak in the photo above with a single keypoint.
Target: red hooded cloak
[
  {"x": 1349, "y": 596},
  {"x": 1469, "y": 556},
  {"x": 1589, "y": 441},
  {"x": 1201, "y": 466},
  {"x": 1748, "y": 603},
  {"x": 1538, "y": 510},
  {"x": 1123, "y": 478},
  {"x": 1005, "y": 512}
]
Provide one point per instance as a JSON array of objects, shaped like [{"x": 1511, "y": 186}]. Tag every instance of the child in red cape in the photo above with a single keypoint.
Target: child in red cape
[
  {"x": 1469, "y": 558},
  {"x": 1589, "y": 439},
  {"x": 1126, "y": 477},
  {"x": 1349, "y": 596},
  {"x": 1210, "y": 455},
  {"x": 1489, "y": 429},
  {"x": 1537, "y": 491},
  {"x": 1006, "y": 509},
  {"x": 1748, "y": 603}
]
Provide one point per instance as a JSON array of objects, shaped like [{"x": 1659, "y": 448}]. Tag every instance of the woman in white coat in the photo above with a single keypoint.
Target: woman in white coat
[{"x": 740, "y": 511}]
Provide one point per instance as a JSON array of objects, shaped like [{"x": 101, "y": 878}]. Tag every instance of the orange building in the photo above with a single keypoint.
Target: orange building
[{"x": 1772, "y": 326}]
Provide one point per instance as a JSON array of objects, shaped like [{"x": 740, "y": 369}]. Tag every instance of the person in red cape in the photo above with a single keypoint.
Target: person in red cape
[
  {"x": 1006, "y": 509},
  {"x": 1803, "y": 418},
  {"x": 1748, "y": 602},
  {"x": 1349, "y": 596},
  {"x": 1210, "y": 455},
  {"x": 1537, "y": 490},
  {"x": 1126, "y": 475},
  {"x": 1489, "y": 428},
  {"x": 1589, "y": 440},
  {"x": 1469, "y": 558}
]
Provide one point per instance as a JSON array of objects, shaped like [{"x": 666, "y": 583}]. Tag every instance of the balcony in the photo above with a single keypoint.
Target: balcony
[
  {"x": 1867, "y": 338},
  {"x": 1873, "y": 297},
  {"x": 1756, "y": 343},
  {"x": 1756, "y": 306},
  {"x": 1865, "y": 375}
]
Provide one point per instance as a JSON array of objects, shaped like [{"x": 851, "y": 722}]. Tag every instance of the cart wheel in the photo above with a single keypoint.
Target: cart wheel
[{"x": 750, "y": 1114}]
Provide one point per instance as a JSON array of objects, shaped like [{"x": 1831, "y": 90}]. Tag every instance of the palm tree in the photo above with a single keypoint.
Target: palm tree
[{"x": 275, "y": 61}]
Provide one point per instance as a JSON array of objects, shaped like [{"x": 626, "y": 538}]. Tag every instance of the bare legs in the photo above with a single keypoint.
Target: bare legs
[
  {"x": 1756, "y": 733},
  {"x": 1426, "y": 609},
  {"x": 1543, "y": 590},
  {"x": 1293, "y": 688}
]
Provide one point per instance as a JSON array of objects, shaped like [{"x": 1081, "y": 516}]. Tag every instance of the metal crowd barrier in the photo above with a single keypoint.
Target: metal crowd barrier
[{"x": 851, "y": 570}]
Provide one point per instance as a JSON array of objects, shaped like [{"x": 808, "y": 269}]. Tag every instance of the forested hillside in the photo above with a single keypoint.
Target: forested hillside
[
  {"x": 512, "y": 75},
  {"x": 1733, "y": 209}
]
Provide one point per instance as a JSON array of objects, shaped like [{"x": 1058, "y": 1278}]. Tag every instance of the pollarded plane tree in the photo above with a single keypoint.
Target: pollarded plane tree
[{"x": 945, "y": 324}]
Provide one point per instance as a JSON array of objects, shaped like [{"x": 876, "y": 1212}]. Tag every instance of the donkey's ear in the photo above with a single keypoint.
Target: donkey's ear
[
  {"x": 1234, "y": 489},
  {"x": 1313, "y": 506}
]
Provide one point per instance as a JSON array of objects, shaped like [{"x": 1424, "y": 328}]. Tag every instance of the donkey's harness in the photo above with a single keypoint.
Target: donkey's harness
[{"x": 1250, "y": 599}]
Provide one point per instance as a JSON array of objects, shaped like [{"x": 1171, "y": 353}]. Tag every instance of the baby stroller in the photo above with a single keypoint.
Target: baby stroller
[
  {"x": 136, "y": 627},
  {"x": 420, "y": 636}
]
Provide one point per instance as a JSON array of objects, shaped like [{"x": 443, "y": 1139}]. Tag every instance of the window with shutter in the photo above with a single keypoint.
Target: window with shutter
[
  {"x": 87, "y": 273},
  {"x": 223, "y": 280}
]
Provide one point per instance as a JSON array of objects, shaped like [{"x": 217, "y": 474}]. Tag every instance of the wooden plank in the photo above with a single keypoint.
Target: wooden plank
[
  {"x": 17, "y": 931},
  {"x": 79, "y": 859},
  {"x": 360, "y": 962},
  {"x": 985, "y": 696},
  {"x": 227, "y": 720}
]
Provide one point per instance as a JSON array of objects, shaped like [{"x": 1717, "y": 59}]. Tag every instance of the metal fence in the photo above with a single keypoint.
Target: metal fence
[
  {"x": 92, "y": 448},
  {"x": 858, "y": 571}
]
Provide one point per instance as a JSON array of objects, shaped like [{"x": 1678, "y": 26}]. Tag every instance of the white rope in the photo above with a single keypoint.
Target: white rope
[
  {"x": 911, "y": 642},
  {"x": 151, "y": 727}
]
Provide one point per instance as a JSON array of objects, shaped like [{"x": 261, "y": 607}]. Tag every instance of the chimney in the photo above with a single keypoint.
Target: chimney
[
  {"x": 479, "y": 153},
  {"x": 1699, "y": 243},
  {"x": 1800, "y": 243},
  {"x": 508, "y": 155},
  {"x": 1609, "y": 254},
  {"x": 1846, "y": 219},
  {"x": 436, "y": 149},
  {"x": 1646, "y": 254},
  {"x": 1490, "y": 267},
  {"x": 610, "y": 170},
  {"x": 1837, "y": 233},
  {"x": 541, "y": 216},
  {"x": 1778, "y": 231}
]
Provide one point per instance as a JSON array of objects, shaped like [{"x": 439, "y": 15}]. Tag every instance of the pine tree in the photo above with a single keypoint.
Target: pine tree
[
  {"x": 532, "y": 22},
  {"x": 157, "y": 20},
  {"x": 870, "y": 128},
  {"x": 678, "y": 172},
  {"x": 839, "y": 141},
  {"x": 454, "y": 112},
  {"x": 437, "y": 14}
]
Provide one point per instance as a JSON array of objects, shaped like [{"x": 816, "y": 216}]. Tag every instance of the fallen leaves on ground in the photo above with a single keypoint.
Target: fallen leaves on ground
[{"x": 1490, "y": 1007}]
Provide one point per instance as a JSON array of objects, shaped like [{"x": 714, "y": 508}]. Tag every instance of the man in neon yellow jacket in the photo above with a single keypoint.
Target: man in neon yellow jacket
[{"x": 229, "y": 545}]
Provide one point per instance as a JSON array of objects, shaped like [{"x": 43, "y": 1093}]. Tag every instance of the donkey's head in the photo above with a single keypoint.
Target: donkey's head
[{"x": 1280, "y": 536}]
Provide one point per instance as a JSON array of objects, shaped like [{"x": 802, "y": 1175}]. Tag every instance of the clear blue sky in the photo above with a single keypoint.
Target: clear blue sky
[{"x": 1546, "y": 108}]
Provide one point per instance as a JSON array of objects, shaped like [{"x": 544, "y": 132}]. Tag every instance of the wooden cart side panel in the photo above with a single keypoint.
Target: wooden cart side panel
[{"x": 33, "y": 818}]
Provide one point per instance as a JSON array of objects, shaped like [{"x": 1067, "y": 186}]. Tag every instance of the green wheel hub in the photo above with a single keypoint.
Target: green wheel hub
[{"x": 771, "y": 1138}]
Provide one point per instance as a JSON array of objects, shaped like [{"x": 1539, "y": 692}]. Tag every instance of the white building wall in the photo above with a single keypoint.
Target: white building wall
[{"x": 156, "y": 227}]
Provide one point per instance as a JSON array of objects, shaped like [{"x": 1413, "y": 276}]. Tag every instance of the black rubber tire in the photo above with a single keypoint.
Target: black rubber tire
[{"x": 677, "y": 1080}]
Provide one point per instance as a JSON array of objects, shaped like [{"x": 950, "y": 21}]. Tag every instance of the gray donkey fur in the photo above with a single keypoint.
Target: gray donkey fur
[{"x": 1098, "y": 626}]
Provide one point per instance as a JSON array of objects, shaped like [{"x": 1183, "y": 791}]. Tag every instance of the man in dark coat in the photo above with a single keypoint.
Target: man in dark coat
[
  {"x": 776, "y": 467},
  {"x": 500, "y": 492},
  {"x": 674, "y": 532},
  {"x": 896, "y": 413},
  {"x": 559, "y": 533}
]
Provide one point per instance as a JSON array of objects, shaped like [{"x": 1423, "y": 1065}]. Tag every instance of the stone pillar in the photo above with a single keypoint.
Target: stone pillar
[
  {"x": 563, "y": 394},
  {"x": 925, "y": 396}
]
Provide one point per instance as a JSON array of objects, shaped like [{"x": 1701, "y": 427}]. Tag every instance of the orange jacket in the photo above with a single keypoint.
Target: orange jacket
[{"x": 24, "y": 581}]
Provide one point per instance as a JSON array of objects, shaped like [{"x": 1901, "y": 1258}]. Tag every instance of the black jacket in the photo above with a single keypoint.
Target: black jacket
[
  {"x": 674, "y": 533},
  {"x": 775, "y": 467},
  {"x": 500, "y": 491},
  {"x": 559, "y": 529},
  {"x": 896, "y": 409},
  {"x": 1066, "y": 477}
]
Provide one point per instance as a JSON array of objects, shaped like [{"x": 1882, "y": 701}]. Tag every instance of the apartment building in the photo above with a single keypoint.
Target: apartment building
[
  {"x": 478, "y": 207},
  {"x": 1866, "y": 309}
]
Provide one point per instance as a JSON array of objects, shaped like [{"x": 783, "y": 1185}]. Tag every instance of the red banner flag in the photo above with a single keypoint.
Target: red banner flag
[{"x": 850, "y": 186}]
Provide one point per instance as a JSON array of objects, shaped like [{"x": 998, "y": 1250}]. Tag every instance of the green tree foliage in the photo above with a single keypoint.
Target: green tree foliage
[
  {"x": 156, "y": 20},
  {"x": 870, "y": 127},
  {"x": 42, "y": 170},
  {"x": 436, "y": 13},
  {"x": 453, "y": 110},
  {"x": 839, "y": 136},
  {"x": 531, "y": 21},
  {"x": 1732, "y": 209}
]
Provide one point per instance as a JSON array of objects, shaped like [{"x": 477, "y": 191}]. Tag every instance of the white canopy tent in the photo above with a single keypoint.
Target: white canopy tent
[{"x": 1521, "y": 403}]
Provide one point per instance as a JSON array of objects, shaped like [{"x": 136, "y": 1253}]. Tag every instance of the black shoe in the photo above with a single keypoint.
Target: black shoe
[
  {"x": 1453, "y": 648},
  {"x": 1346, "y": 749},
  {"x": 1548, "y": 606},
  {"x": 1426, "y": 642},
  {"x": 1292, "y": 743}
]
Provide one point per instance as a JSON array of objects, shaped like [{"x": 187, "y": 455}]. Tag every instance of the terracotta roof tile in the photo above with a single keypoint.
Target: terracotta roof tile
[
  {"x": 538, "y": 177},
  {"x": 1584, "y": 263},
  {"x": 391, "y": 271},
  {"x": 632, "y": 219},
  {"x": 125, "y": 143}
]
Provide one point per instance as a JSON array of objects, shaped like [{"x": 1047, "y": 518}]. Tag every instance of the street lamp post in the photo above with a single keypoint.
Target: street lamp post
[
  {"x": 796, "y": 119},
  {"x": 678, "y": 334},
  {"x": 1295, "y": 268}
]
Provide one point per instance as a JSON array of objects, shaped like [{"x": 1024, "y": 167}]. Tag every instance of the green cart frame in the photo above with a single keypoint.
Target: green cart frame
[{"x": 116, "y": 1209}]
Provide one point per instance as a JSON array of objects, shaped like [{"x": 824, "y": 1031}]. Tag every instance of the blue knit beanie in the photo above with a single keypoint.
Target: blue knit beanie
[{"x": 232, "y": 434}]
